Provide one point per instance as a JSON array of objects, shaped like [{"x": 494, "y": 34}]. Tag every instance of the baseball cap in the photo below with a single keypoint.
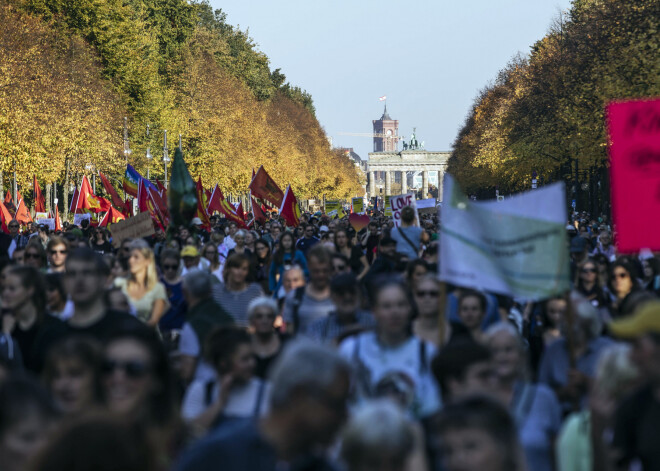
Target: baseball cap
[
  {"x": 646, "y": 320},
  {"x": 323, "y": 229},
  {"x": 190, "y": 251},
  {"x": 197, "y": 221}
]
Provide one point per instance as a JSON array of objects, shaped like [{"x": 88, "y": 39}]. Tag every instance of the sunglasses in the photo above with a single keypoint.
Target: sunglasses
[
  {"x": 12, "y": 226},
  {"x": 132, "y": 369},
  {"x": 32, "y": 255},
  {"x": 170, "y": 267},
  {"x": 433, "y": 294},
  {"x": 61, "y": 252},
  {"x": 589, "y": 270}
]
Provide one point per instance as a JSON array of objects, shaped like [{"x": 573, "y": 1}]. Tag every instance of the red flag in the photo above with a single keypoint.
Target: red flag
[
  {"x": 290, "y": 210},
  {"x": 264, "y": 187},
  {"x": 9, "y": 198},
  {"x": 110, "y": 190},
  {"x": 146, "y": 204},
  {"x": 111, "y": 217},
  {"x": 5, "y": 217},
  {"x": 58, "y": 222},
  {"x": 85, "y": 200},
  {"x": 74, "y": 200},
  {"x": 22, "y": 213},
  {"x": 221, "y": 205},
  {"x": 39, "y": 200},
  {"x": 128, "y": 208},
  {"x": 257, "y": 214},
  {"x": 240, "y": 211}
]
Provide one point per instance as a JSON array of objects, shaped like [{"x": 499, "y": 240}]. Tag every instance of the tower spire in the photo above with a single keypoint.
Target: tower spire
[{"x": 385, "y": 115}]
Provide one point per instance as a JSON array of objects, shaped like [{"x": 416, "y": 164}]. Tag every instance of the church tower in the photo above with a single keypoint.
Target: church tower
[{"x": 386, "y": 131}]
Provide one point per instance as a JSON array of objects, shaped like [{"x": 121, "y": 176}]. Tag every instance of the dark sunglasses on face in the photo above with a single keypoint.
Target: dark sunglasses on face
[
  {"x": 588, "y": 270},
  {"x": 13, "y": 226},
  {"x": 32, "y": 255},
  {"x": 61, "y": 252},
  {"x": 132, "y": 369},
  {"x": 170, "y": 267},
  {"x": 427, "y": 293}
]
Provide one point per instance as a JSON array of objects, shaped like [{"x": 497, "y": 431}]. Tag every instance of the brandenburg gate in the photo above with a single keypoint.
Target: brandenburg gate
[{"x": 413, "y": 160}]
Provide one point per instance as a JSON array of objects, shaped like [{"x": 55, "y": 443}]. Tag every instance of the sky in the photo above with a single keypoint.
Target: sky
[{"x": 429, "y": 57}]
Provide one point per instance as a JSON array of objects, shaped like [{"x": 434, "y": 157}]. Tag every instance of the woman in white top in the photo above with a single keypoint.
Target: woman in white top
[
  {"x": 236, "y": 393},
  {"x": 210, "y": 253},
  {"x": 144, "y": 292},
  {"x": 392, "y": 361}
]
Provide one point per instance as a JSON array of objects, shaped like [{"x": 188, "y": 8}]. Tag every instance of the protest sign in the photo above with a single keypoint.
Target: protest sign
[
  {"x": 426, "y": 206},
  {"x": 358, "y": 205},
  {"x": 397, "y": 203},
  {"x": 49, "y": 222},
  {"x": 634, "y": 132},
  {"x": 132, "y": 228},
  {"x": 334, "y": 208},
  {"x": 79, "y": 218},
  {"x": 516, "y": 247},
  {"x": 40, "y": 215},
  {"x": 388, "y": 208}
]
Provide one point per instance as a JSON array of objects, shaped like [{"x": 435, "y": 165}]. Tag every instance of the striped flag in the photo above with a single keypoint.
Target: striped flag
[{"x": 383, "y": 98}]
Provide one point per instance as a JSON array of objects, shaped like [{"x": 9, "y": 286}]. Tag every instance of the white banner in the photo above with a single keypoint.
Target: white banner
[
  {"x": 397, "y": 203},
  {"x": 515, "y": 247}
]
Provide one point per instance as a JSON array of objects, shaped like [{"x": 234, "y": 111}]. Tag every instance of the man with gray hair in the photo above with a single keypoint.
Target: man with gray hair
[
  {"x": 203, "y": 315},
  {"x": 310, "y": 386}
]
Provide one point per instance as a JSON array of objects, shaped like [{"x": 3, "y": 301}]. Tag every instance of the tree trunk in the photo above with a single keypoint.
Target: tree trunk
[
  {"x": 2, "y": 183},
  {"x": 49, "y": 187},
  {"x": 65, "y": 191}
]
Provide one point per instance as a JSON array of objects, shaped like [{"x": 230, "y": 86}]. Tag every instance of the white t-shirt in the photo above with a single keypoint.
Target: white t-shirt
[
  {"x": 403, "y": 365},
  {"x": 242, "y": 400},
  {"x": 189, "y": 346}
]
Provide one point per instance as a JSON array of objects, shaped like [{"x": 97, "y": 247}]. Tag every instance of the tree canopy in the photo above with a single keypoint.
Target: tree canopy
[
  {"x": 70, "y": 71},
  {"x": 545, "y": 112}
]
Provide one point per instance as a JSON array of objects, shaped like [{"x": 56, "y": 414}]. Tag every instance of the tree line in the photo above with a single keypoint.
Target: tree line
[
  {"x": 71, "y": 71},
  {"x": 544, "y": 114}
]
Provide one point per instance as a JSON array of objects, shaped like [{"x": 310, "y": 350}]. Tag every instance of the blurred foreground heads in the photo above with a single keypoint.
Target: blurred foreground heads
[{"x": 310, "y": 388}]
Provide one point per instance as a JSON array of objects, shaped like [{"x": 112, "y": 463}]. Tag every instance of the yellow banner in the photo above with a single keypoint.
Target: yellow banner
[{"x": 358, "y": 205}]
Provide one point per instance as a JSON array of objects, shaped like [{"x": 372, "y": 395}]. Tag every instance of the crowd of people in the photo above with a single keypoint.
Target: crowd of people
[{"x": 318, "y": 347}]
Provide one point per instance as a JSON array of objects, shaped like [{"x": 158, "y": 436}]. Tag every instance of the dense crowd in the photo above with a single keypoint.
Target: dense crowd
[{"x": 318, "y": 347}]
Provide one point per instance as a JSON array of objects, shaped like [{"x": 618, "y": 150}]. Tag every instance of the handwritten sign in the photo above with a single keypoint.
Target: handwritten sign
[
  {"x": 132, "y": 228},
  {"x": 49, "y": 222},
  {"x": 79, "y": 218},
  {"x": 634, "y": 132},
  {"x": 38, "y": 216},
  {"x": 388, "y": 208},
  {"x": 397, "y": 203},
  {"x": 358, "y": 205}
]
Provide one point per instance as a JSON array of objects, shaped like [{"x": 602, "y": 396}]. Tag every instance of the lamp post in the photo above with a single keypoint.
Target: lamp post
[
  {"x": 127, "y": 148},
  {"x": 166, "y": 157},
  {"x": 149, "y": 156},
  {"x": 180, "y": 147}
]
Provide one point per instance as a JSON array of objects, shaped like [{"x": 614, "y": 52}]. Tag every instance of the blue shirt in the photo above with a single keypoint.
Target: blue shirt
[
  {"x": 555, "y": 362},
  {"x": 402, "y": 246}
]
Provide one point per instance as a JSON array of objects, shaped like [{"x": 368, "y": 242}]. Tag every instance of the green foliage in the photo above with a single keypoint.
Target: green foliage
[{"x": 546, "y": 112}]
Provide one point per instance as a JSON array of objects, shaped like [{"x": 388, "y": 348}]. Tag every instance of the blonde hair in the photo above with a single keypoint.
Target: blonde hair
[
  {"x": 145, "y": 250},
  {"x": 615, "y": 372}
]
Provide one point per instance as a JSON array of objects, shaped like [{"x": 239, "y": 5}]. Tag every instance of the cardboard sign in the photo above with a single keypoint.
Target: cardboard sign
[
  {"x": 397, "y": 203},
  {"x": 358, "y": 205},
  {"x": 79, "y": 218},
  {"x": 49, "y": 222},
  {"x": 132, "y": 228},
  {"x": 634, "y": 132}
]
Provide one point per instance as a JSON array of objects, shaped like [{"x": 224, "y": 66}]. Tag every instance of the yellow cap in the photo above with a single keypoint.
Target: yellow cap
[
  {"x": 646, "y": 320},
  {"x": 190, "y": 251}
]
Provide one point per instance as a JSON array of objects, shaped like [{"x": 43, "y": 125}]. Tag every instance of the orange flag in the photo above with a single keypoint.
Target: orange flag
[
  {"x": 111, "y": 217},
  {"x": 290, "y": 210},
  {"x": 201, "y": 205},
  {"x": 86, "y": 201},
  {"x": 58, "y": 223},
  {"x": 39, "y": 200},
  {"x": 5, "y": 217},
  {"x": 22, "y": 213}
]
